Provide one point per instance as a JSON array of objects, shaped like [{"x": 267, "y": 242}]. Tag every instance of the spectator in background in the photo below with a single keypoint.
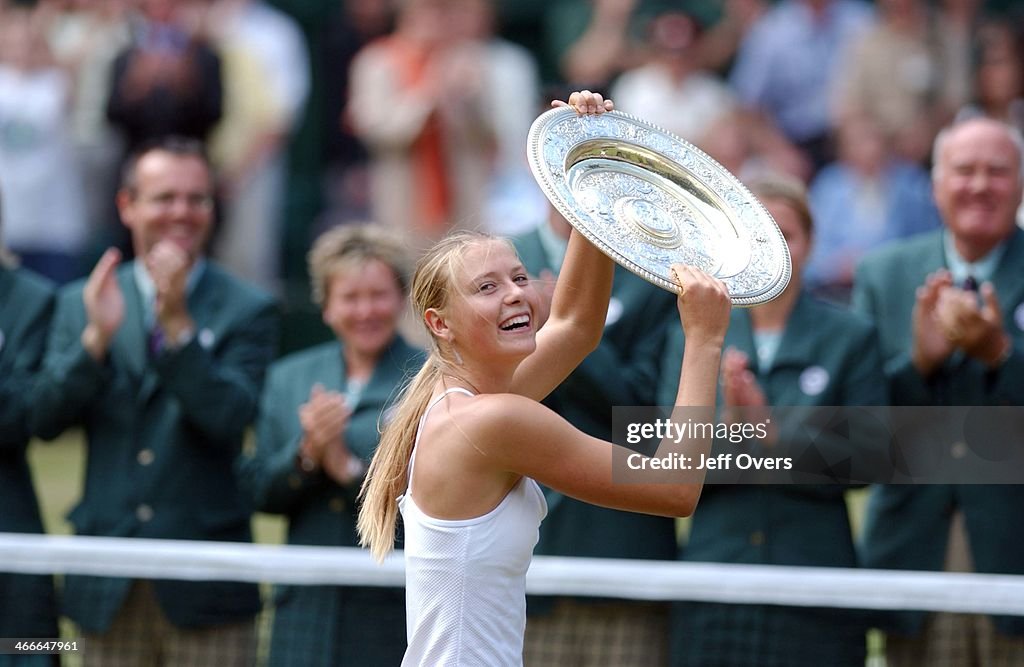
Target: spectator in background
[
  {"x": 999, "y": 80},
  {"x": 356, "y": 24},
  {"x": 962, "y": 19},
  {"x": 317, "y": 431},
  {"x": 595, "y": 40},
  {"x": 161, "y": 361},
  {"x": 583, "y": 631},
  {"x": 672, "y": 90},
  {"x": 85, "y": 39},
  {"x": 793, "y": 351},
  {"x": 788, "y": 62},
  {"x": 724, "y": 36},
  {"x": 27, "y": 605},
  {"x": 907, "y": 74},
  {"x": 522, "y": 22},
  {"x": 266, "y": 79},
  {"x": 167, "y": 82},
  {"x": 998, "y": 76},
  {"x": 420, "y": 103},
  {"x": 746, "y": 144},
  {"x": 949, "y": 307},
  {"x": 513, "y": 198},
  {"x": 863, "y": 200},
  {"x": 42, "y": 204}
]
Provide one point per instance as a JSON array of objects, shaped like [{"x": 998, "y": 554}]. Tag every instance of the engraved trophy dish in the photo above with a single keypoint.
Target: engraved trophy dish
[{"x": 649, "y": 199}]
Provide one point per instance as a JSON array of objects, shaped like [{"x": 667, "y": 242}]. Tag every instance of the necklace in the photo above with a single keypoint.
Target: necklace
[{"x": 462, "y": 381}]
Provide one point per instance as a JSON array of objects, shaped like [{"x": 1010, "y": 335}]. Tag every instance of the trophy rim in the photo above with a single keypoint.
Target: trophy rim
[{"x": 572, "y": 210}]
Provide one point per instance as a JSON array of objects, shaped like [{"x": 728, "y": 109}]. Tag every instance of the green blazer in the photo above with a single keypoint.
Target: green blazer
[
  {"x": 826, "y": 357},
  {"x": 162, "y": 433},
  {"x": 623, "y": 370},
  {"x": 320, "y": 625},
  {"x": 27, "y": 606},
  {"x": 907, "y": 527}
]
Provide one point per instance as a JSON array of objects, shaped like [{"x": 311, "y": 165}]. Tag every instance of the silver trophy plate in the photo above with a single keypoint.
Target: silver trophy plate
[{"x": 649, "y": 200}]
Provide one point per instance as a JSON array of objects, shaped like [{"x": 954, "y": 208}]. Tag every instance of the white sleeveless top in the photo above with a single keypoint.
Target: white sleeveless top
[{"x": 465, "y": 580}]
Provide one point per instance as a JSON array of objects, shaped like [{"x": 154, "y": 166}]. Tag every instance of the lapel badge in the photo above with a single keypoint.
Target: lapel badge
[
  {"x": 813, "y": 380},
  {"x": 206, "y": 339}
]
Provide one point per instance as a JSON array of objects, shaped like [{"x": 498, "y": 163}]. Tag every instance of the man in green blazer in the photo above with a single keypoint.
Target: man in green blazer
[
  {"x": 161, "y": 360},
  {"x": 27, "y": 605},
  {"x": 623, "y": 370},
  {"x": 950, "y": 313}
]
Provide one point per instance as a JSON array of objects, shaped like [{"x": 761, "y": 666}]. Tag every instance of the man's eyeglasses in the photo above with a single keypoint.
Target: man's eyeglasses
[{"x": 192, "y": 201}]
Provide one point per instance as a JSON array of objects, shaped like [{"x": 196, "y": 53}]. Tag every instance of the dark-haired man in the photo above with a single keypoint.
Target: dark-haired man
[{"x": 161, "y": 360}]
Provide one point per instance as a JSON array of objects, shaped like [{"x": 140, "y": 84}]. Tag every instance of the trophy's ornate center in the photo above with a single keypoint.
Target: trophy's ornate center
[{"x": 650, "y": 219}]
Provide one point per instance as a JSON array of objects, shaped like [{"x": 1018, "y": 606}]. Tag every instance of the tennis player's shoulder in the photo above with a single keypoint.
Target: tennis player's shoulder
[{"x": 502, "y": 414}]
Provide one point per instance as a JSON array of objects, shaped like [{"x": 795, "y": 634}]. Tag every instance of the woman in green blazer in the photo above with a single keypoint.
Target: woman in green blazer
[
  {"x": 317, "y": 430},
  {"x": 793, "y": 351}
]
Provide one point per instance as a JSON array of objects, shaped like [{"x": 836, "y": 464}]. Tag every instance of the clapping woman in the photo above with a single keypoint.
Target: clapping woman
[
  {"x": 793, "y": 351},
  {"x": 317, "y": 430}
]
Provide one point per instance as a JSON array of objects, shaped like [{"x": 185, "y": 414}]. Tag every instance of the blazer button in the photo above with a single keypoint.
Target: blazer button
[
  {"x": 144, "y": 513},
  {"x": 337, "y": 505},
  {"x": 958, "y": 450},
  {"x": 145, "y": 457},
  {"x": 757, "y": 538}
]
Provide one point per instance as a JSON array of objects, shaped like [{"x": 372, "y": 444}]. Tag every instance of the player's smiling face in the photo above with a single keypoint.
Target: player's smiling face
[{"x": 492, "y": 314}]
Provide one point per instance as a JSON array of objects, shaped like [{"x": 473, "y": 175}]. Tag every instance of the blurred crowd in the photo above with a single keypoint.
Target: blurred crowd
[
  {"x": 236, "y": 148},
  {"x": 317, "y": 114}
]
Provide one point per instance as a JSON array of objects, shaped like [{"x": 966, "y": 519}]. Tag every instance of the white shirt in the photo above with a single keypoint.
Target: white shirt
[
  {"x": 41, "y": 190},
  {"x": 466, "y": 580}
]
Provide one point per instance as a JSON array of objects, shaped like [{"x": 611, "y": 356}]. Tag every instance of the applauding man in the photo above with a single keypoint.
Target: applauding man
[{"x": 161, "y": 360}]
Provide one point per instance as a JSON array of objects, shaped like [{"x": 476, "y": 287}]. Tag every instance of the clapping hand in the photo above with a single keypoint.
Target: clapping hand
[
  {"x": 740, "y": 387},
  {"x": 744, "y": 399},
  {"x": 324, "y": 419},
  {"x": 973, "y": 325},
  {"x": 931, "y": 346},
  {"x": 104, "y": 305},
  {"x": 168, "y": 266}
]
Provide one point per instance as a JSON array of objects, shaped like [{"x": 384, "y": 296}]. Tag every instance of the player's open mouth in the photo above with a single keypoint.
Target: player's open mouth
[{"x": 516, "y": 323}]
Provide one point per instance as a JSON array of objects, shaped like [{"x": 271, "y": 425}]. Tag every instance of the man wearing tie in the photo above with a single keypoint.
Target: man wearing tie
[
  {"x": 161, "y": 361},
  {"x": 949, "y": 307}
]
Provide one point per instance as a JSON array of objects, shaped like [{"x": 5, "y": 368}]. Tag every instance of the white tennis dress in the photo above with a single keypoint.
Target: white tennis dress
[{"x": 465, "y": 580}]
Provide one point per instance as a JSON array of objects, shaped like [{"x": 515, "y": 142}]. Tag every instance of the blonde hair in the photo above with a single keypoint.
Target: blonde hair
[
  {"x": 433, "y": 285},
  {"x": 354, "y": 245}
]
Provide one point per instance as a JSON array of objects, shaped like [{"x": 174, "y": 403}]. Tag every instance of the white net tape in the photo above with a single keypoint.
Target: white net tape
[{"x": 631, "y": 579}]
